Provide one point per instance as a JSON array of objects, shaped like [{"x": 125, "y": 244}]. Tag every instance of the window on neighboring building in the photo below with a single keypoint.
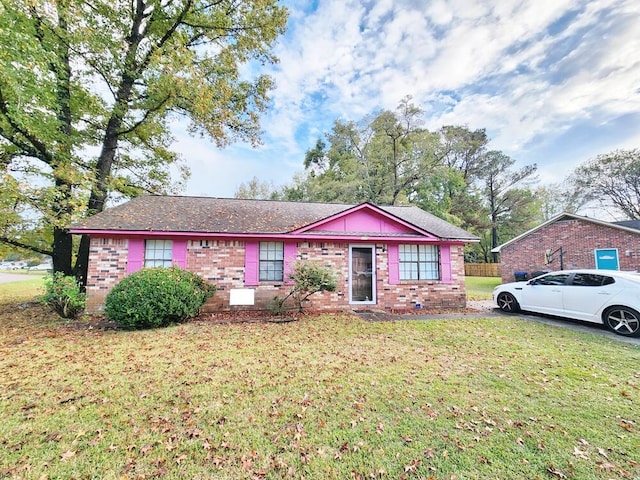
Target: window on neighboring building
[
  {"x": 271, "y": 261},
  {"x": 419, "y": 262},
  {"x": 158, "y": 253}
]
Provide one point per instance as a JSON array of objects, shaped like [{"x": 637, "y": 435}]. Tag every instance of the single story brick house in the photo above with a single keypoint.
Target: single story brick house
[
  {"x": 569, "y": 241},
  {"x": 385, "y": 257}
]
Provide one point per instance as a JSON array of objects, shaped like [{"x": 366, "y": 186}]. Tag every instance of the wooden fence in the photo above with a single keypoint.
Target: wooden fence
[{"x": 482, "y": 269}]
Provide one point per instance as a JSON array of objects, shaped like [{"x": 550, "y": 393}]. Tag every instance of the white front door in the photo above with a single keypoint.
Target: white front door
[{"x": 362, "y": 274}]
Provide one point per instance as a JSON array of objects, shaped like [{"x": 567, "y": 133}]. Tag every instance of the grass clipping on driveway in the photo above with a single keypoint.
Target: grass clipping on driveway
[{"x": 326, "y": 397}]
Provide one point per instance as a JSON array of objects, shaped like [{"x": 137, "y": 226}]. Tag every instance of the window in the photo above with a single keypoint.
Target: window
[
  {"x": 419, "y": 262},
  {"x": 158, "y": 253},
  {"x": 271, "y": 261},
  {"x": 591, "y": 280},
  {"x": 553, "y": 279}
]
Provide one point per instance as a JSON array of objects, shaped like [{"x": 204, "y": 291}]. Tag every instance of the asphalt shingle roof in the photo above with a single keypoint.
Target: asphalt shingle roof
[{"x": 225, "y": 215}]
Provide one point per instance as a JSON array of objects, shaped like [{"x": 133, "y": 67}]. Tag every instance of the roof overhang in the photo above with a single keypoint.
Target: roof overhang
[{"x": 567, "y": 216}]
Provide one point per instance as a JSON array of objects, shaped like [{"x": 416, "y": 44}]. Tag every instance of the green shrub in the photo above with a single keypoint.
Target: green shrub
[
  {"x": 63, "y": 295},
  {"x": 156, "y": 297}
]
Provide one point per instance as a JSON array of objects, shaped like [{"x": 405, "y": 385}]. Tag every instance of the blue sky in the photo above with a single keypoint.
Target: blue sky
[{"x": 554, "y": 82}]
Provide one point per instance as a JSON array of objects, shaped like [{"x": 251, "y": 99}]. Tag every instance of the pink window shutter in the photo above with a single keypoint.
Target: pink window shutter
[
  {"x": 393, "y": 258},
  {"x": 290, "y": 252},
  {"x": 445, "y": 263},
  {"x": 135, "y": 255},
  {"x": 251, "y": 263},
  {"x": 179, "y": 253}
]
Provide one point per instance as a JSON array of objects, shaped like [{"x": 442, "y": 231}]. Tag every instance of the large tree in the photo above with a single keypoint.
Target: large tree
[
  {"x": 613, "y": 180},
  {"x": 88, "y": 91},
  {"x": 503, "y": 193},
  {"x": 378, "y": 159}
]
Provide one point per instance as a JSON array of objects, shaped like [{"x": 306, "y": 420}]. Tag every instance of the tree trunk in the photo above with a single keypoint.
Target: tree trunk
[{"x": 99, "y": 192}]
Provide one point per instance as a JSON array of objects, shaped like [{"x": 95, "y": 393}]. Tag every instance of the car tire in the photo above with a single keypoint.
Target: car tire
[
  {"x": 508, "y": 303},
  {"x": 623, "y": 321}
]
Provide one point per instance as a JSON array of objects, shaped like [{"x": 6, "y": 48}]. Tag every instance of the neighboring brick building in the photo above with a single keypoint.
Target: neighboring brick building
[
  {"x": 584, "y": 243},
  {"x": 385, "y": 257}
]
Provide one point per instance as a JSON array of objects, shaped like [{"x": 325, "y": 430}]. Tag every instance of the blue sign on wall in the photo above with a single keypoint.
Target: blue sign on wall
[{"x": 607, "y": 259}]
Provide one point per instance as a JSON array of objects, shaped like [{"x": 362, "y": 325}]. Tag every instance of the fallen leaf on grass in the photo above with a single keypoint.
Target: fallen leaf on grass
[
  {"x": 605, "y": 466},
  {"x": 68, "y": 455},
  {"x": 555, "y": 472},
  {"x": 580, "y": 454}
]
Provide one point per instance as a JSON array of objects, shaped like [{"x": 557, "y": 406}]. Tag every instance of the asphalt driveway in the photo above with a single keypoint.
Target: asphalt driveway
[{"x": 486, "y": 308}]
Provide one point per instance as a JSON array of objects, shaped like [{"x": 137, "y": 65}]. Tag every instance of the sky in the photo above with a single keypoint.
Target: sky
[{"x": 553, "y": 82}]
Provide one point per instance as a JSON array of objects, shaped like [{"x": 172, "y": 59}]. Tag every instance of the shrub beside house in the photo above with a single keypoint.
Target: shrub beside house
[{"x": 386, "y": 257}]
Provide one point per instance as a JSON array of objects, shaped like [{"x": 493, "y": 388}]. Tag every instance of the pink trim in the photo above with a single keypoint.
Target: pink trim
[
  {"x": 277, "y": 237},
  {"x": 342, "y": 222},
  {"x": 251, "y": 262},
  {"x": 290, "y": 253},
  {"x": 365, "y": 221},
  {"x": 135, "y": 254},
  {"x": 445, "y": 263},
  {"x": 179, "y": 253},
  {"x": 393, "y": 259}
]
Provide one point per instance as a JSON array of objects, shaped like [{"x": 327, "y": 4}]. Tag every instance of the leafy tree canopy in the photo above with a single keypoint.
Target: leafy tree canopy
[
  {"x": 88, "y": 91},
  {"x": 612, "y": 181}
]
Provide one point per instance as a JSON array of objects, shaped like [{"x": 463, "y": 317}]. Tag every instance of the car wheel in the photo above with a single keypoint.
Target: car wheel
[
  {"x": 508, "y": 302},
  {"x": 623, "y": 321}
]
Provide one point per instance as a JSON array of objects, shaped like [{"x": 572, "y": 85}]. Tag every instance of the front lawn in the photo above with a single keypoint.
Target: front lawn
[
  {"x": 481, "y": 288},
  {"x": 329, "y": 397},
  {"x": 22, "y": 290}
]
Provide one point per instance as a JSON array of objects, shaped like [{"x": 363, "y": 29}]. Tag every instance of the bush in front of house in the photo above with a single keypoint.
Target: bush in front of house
[
  {"x": 63, "y": 294},
  {"x": 308, "y": 278},
  {"x": 156, "y": 297}
]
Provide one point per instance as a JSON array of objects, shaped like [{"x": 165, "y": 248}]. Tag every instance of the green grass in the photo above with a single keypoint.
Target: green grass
[
  {"x": 22, "y": 290},
  {"x": 328, "y": 397},
  {"x": 480, "y": 288}
]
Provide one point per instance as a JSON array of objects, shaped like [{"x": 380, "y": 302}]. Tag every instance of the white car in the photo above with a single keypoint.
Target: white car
[{"x": 607, "y": 297}]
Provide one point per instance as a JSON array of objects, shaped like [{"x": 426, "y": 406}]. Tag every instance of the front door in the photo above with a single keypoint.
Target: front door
[{"x": 362, "y": 277}]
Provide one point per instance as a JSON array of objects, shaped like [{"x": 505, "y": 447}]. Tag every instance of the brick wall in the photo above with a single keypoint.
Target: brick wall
[
  {"x": 579, "y": 240},
  {"x": 221, "y": 262},
  {"x": 107, "y": 266}
]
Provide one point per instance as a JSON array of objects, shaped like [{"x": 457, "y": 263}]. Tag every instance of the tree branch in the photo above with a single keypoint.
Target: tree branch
[{"x": 32, "y": 248}]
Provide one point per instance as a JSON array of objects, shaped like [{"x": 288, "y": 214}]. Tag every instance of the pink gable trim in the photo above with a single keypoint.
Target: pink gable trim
[
  {"x": 135, "y": 254},
  {"x": 179, "y": 253},
  {"x": 364, "y": 221},
  {"x": 445, "y": 263},
  {"x": 364, "y": 218},
  {"x": 393, "y": 257},
  {"x": 290, "y": 252},
  {"x": 251, "y": 252}
]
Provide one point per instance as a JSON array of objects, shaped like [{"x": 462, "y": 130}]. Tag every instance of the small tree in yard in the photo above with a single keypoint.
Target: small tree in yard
[
  {"x": 308, "y": 278},
  {"x": 63, "y": 295}
]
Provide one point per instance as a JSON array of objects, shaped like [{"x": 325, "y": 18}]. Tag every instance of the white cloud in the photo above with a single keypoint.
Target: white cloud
[{"x": 527, "y": 71}]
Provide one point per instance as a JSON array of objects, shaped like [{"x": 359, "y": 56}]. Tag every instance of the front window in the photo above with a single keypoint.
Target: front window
[
  {"x": 271, "y": 261},
  {"x": 419, "y": 262},
  {"x": 158, "y": 253}
]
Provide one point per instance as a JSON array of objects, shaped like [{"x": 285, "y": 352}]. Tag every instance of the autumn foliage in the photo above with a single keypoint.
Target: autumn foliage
[{"x": 157, "y": 297}]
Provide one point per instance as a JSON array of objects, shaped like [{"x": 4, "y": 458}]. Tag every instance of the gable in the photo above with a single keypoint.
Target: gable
[{"x": 364, "y": 219}]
